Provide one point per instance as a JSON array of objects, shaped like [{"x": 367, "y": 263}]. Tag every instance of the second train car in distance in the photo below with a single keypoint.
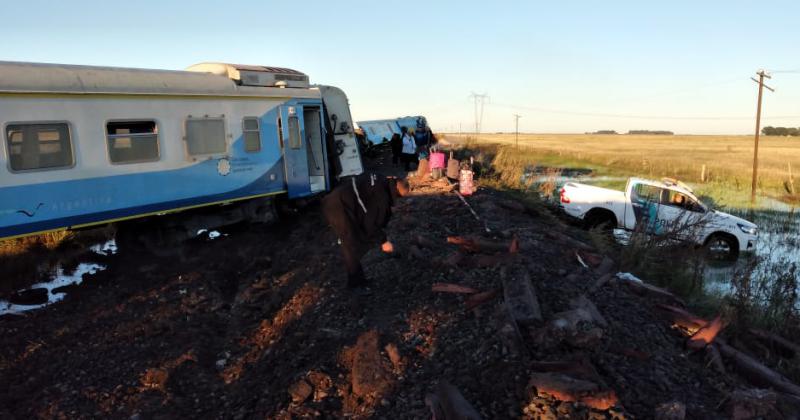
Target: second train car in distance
[{"x": 85, "y": 146}]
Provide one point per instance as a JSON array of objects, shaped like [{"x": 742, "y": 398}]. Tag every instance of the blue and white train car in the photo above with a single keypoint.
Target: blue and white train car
[
  {"x": 85, "y": 146},
  {"x": 379, "y": 131}
]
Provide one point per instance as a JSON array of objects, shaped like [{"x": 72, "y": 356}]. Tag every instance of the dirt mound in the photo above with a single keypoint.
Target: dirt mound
[{"x": 258, "y": 324}]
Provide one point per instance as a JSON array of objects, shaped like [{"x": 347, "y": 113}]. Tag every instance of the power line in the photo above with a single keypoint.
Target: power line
[
  {"x": 690, "y": 89},
  {"x": 480, "y": 99},
  {"x": 785, "y": 71},
  {"x": 516, "y": 128}
]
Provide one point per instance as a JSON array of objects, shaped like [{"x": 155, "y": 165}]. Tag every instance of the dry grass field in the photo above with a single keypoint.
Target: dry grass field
[{"x": 728, "y": 159}]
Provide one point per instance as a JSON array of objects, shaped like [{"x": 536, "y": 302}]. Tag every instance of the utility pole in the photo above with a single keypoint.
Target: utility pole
[
  {"x": 516, "y": 128},
  {"x": 761, "y": 75},
  {"x": 480, "y": 99}
]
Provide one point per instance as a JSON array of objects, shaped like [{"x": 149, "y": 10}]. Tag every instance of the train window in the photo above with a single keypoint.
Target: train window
[
  {"x": 39, "y": 146},
  {"x": 280, "y": 132},
  {"x": 251, "y": 129},
  {"x": 205, "y": 136},
  {"x": 294, "y": 133},
  {"x": 132, "y": 141}
]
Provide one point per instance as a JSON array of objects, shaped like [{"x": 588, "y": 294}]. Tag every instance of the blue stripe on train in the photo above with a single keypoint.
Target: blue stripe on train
[{"x": 254, "y": 188}]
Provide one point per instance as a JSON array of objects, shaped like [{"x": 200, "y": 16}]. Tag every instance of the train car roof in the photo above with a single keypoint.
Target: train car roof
[{"x": 18, "y": 77}]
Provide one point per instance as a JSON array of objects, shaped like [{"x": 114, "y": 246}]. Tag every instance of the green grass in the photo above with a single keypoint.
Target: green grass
[{"x": 728, "y": 160}]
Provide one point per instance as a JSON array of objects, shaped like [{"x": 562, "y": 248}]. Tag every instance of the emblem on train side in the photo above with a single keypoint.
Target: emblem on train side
[{"x": 223, "y": 166}]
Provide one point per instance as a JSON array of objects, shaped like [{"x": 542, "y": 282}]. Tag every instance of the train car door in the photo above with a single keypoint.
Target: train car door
[
  {"x": 295, "y": 158},
  {"x": 315, "y": 148}
]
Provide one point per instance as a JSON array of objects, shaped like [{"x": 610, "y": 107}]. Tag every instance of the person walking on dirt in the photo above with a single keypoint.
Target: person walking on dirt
[
  {"x": 409, "y": 149},
  {"x": 358, "y": 210},
  {"x": 396, "y": 143},
  {"x": 423, "y": 141}
]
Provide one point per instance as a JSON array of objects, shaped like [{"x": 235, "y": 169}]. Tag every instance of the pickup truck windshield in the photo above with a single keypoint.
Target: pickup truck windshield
[{"x": 645, "y": 193}]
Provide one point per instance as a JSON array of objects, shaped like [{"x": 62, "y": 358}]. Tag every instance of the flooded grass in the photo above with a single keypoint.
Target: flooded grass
[{"x": 759, "y": 290}]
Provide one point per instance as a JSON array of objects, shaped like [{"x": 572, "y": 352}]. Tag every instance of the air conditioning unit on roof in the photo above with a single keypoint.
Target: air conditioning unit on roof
[{"x": 245, "y": 75}]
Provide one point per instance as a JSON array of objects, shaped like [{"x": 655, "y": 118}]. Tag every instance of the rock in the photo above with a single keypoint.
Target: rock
[
  {"x": 368, "y": 375},
  {"x": 322, "y": 384},
  {"x": 154, "y": 378},
  {"x": 300, "y": 391},
  {"x": 674, "y": 410},
  {"x": 576, "y": 327},
  {"x": 582, "y": 302},
  {"x": 753, "y": 403},
  {"x": 569, "y": 320},
  {"x": 448, "y": 404},
  {"x": 394, "y": 356},
  {"x": 586, "y": 339},
  {"x": 36, "y": 296}
]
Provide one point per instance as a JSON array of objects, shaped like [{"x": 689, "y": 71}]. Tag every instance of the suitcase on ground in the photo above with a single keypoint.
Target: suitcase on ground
[
  {"x": 465, "y": 182},
  {"x": 422, "y": 168},
  {"x": 453, "y": 166},
  {"x": 437, "y": 160}
]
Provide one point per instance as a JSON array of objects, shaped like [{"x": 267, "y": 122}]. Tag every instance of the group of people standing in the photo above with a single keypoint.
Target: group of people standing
[{"x": 411, "y": 145}]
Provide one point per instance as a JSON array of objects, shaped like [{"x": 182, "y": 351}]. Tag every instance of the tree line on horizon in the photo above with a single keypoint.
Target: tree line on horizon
[
  {"x": 780, "y": 131},
  {"x": 637, "y": 132}
]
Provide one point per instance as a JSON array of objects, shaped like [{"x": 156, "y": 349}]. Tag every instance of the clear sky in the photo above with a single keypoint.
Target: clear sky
[{"x": 565, "y": 66}]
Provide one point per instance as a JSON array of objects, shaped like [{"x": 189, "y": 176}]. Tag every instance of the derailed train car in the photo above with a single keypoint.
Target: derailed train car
[
  {"x": 85, "y": 146},
  {"x": 380, "y": 131}
]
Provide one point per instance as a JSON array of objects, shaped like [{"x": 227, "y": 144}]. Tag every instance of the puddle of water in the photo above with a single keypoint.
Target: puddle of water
[
  {"x": 60, "y": 279},
  {"x": 108, "y": 248},
  {"x": 588, "y": 179}
]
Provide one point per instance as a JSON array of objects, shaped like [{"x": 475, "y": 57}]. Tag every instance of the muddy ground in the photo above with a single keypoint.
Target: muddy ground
[{"x": 257, "y": 324}]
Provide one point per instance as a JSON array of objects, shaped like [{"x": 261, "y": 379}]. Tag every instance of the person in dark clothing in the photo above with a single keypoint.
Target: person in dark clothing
[
  {"x": 358, "y": 210},
  {"x": 396, "y": 143}
]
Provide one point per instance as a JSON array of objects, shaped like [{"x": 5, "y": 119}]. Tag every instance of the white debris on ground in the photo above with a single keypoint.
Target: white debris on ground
[
  {"x": 214, "y": 234},
  {"x": 60, "y": 279},
  {"x": 628, "y": 277},
  {"x": 108, "y": 248}
]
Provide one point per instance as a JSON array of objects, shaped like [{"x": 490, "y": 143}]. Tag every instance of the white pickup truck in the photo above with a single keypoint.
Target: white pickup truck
[{"x": 666, "y": 207}]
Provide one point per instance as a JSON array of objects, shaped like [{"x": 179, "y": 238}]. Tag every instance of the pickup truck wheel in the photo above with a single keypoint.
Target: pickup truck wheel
[
  {"x": 721, "y": 247},
  {"x": 602, "y": 221}
]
